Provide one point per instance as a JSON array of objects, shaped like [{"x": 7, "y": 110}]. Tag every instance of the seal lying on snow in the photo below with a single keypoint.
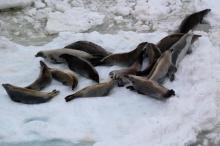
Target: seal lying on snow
[
  {"x": 124, "y": 59},
  {"x": 168, "y": 41},
  {"x": 66, "y": 77},
  {"x": 98, "y": 90},
  {"x": 148, "y": 87},
  {"x": 119, "y": 75},
  {"x": 53, "y": 56},
  {"x": 43, "y": 80},
  {"x": 192, "y": 20},
  {"x": 89, "y": 47},
  {"x": 28, "y": 96},
  {"x": 81, "y": 66}
]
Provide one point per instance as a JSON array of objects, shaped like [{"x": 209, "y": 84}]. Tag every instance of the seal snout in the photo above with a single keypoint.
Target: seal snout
[
  {"x": 5, "y": 85},
  {"x": 208, "y": 10}
]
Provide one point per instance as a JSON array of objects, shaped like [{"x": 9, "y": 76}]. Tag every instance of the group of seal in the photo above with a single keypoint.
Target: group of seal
[{"x": 146, "y": 67}]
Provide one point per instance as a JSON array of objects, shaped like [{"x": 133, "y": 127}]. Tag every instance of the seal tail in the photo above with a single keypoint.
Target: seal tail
[
  {"x": 70, "y": 97},
  {"x": 74, "y": 85},
  {"x": 169, "y": 94}
]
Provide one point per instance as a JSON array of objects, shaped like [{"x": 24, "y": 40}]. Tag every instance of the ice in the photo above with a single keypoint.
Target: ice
[
  {"x": 107, "y": 121},
  {"x": 75, "y": 20}
]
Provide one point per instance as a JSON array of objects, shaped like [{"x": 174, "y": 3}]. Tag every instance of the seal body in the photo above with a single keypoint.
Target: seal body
[
  {"x": 98, "y": 90},
  {"x": 43, "y": 80},
  {"x": 124, "y": 59},
  {"x": 152, "y": 53},
  {"x": 168, "y": 41},
  {"x": 81, "y": 66},
  {"x": 119, "y": 75},
  {"x": 28, "y": 96},
  {"x": 66, "y": 77},
  {"x": 163, "y": 68},
  {"x": 192, "y": 20},
  {"x": 53, "y": 56},
  {"x": 89, "y": 47},
  {"x": 181, "y": 48},
  {"x": 148, "y": 87}
]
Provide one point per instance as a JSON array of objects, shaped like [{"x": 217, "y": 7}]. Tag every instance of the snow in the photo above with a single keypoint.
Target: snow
[
  {"x": 76, "y": 20},
  {"x": 124, "y": 118}
]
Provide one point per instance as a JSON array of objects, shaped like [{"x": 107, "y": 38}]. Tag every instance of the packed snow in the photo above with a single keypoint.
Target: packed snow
[
  {"x": 76, "y": 20},
  {"x": 124, "y": 118}
]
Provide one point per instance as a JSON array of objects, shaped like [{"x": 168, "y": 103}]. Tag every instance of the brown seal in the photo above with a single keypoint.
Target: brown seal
[
  {"x": 43, "y": 80},
  {"x": 163, "y": 68},
  {"x": 66, "y": 77},
  {"x": 81, "y": 66},
  {"x": 28, "y": 96},
  {"x": 53, "y": 56},
  {"x": 192, "y": 20},
  {"x": 98, "y": 90},
  {"x": 148, "y": 87},
  {"x": 152, "y": 53},
  {"x": 124, "y": 59},
  {"x": 89, "y": 47},
  {"x": 119, "y": 75},
  {"x": 168, "y": 41},
  {"x": 181, "y": 48}
]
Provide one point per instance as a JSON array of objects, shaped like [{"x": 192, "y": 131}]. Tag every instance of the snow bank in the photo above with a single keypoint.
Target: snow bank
[
  {"x": 124, "y": 117},
  {"x": 6, "y": 4},
  {"x": 76, "y": 20}
]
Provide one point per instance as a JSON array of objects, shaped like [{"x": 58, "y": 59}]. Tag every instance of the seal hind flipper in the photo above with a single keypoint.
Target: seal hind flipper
[
  {"x": 54, "y": 93},
  {"x": 131, "y": 88},
  {"x": 170, "y": 93},
  {"x": 28, "y": 96},
  {"x": 69, "y": 98}
]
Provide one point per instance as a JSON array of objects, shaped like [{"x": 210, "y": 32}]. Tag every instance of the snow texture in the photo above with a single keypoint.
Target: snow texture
[
  {"x": 124, "y": 118},
  {"x": 76, "y": 20}
]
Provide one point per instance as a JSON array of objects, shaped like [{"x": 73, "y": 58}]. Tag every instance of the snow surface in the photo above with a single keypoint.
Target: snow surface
[
  {"x": 76, "y": 20},
  {"x": 124, "y": 118}
]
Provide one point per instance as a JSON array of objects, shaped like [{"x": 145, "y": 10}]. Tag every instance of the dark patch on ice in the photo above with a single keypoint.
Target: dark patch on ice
[
  {"x": 203, "y": 27},
  {"x": 203, "y": 140},
  {"x": 53, "y": 142},
  {"x": 34, "y": 119}
]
